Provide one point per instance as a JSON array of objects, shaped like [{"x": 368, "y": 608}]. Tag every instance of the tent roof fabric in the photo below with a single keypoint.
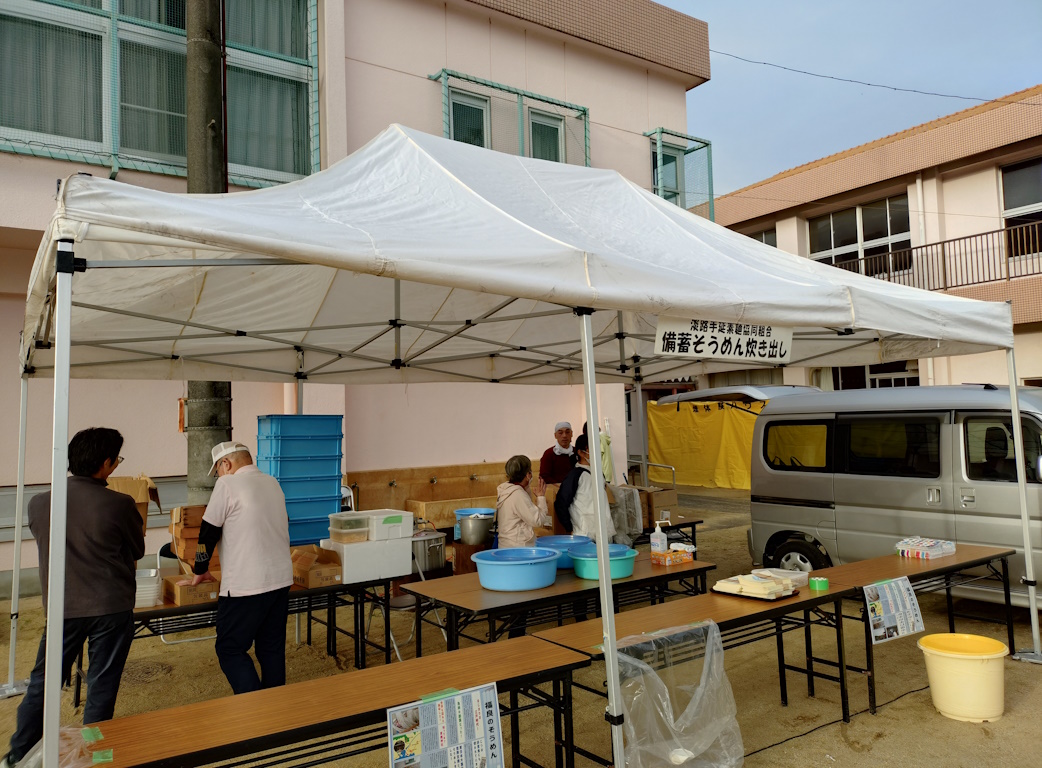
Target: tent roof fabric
[{"x": 422, "y": 259}]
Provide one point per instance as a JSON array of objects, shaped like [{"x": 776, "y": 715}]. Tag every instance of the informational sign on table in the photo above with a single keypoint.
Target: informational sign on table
[
  {"x": 893, "y": 610},
  {"x": 722, "y": 340},
  {"x": 453, "y": 729}
]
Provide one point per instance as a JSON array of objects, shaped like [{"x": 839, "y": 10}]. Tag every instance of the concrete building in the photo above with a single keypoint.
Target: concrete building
[
  {"x": 97, "y": 87},
  {"x": 951, "y": 205}
]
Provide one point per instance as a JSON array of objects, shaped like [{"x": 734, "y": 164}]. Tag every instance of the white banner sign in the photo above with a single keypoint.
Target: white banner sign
[{"x": 717, "y": 340}]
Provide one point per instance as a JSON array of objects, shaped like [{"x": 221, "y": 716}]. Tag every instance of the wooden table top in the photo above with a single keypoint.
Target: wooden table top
[
  {"x": 315, "y": 707},
  {"x": 726, "y": 610},
  {"x": 464, "y": 591},
  {"x": 864, "y": 572}
]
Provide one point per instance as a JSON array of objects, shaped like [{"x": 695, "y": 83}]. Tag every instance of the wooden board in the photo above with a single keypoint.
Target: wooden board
[{"x": 442, "y": 513}]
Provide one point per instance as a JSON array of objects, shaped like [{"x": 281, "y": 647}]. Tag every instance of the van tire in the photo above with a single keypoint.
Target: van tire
[{"x": 798, "y": 555}]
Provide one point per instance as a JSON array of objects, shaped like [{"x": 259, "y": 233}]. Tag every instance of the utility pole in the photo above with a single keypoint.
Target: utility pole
[{"x": 208, "y": 417}]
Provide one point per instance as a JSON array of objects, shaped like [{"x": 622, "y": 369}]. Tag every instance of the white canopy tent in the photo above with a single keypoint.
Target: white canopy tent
[{"x": 421, "y": 259}]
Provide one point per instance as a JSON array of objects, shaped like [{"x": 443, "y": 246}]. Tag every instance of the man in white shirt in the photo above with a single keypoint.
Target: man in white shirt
[{"x": 247, "y": 515}]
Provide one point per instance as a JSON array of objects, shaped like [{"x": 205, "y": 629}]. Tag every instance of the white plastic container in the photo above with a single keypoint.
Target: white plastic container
[
  {"x": 371, "y": 560},
  {"x": 349, "y": 527},
  {"x": 389, "y": 524},
  {"x": 659, "y": 540}
]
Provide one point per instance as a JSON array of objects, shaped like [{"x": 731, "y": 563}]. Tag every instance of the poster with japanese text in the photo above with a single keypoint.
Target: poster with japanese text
[
  {"x": 721, "y": 340},
  {"x": 458, "y": 730},
  {"x": 892, "y": 609}
]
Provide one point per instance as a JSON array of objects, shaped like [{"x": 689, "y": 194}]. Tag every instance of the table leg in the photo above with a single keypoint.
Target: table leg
[
  {"x": 780, "y": 641},
  {"x": 808, "y": 645},
  {"x": 703, "y": 582},
  {"x": 558, "y": 717},
  {"x": 359, "y": 620},
  {"x": 309, "y": 620},
  {"x": 870, "y": 662},
  {"x": 948, "y": 601},
  {"x": 452, "y": 619},
  {"x": 841, "y": 651},
  {"x": 492, "y": 627},
  {"x": 1009, "y": 604},
  {"x": 419, "y": 626},
  {"x": 330, "y": 626},
  {"x": 515, "y": 732},
  {"x": 569, "y": 728},
  {"x": 386, "y": 603}
]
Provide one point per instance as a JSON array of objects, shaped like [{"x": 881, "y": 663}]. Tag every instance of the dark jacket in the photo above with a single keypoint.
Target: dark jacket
[
  {"x": 104, "y": 537},
  {"x": 566, "y": 495}
]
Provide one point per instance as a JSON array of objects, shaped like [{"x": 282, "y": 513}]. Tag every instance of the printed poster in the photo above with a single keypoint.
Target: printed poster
[
  {"x": 720, "y": 340},
  {"x": 458, "y": 730},
  {"x": 893, "y": 610}
]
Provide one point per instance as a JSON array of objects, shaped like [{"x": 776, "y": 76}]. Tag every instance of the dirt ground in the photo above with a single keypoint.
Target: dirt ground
[{"x": 906, "y": 731}]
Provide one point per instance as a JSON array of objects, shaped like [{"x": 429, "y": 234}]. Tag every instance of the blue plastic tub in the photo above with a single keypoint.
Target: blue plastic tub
[
  {"x": 304, "y": 509},
  {"x": 585, "y": 558},
  {"x": 562, "y": 544},
  {"x": 300, "y": 425},
  {"x": 325, "y": 447},
  {"x": 467, "y": 512},
  {"x": 516, "y": 569},
  {"x": 285, "y": 467},
  {"x": 310, "y": 487},
  {"x": 308, "y": 531}
]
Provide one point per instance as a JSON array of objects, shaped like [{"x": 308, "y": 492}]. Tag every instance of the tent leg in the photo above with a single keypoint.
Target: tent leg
[
  {"x": 1033, "y": 654},
  {"x": 611, "y": 654},
  {"x": 300, "y": 410},
  {"x": 17, "y": 687},
  {"x": 59, "y": 505},
  {"x": 642, "y": 434}
]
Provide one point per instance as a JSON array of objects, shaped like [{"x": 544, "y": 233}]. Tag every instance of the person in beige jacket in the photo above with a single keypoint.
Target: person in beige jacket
[{"x": 516, "y": 515}]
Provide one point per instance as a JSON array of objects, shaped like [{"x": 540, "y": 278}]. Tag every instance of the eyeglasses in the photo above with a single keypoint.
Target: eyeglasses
[{"x": 119, "y": 460}]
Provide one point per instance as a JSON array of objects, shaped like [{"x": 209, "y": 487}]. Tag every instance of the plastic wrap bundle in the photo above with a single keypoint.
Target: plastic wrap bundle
[
  {"x": 626, "y": 514},
  {"x": 678, "y": 705}
]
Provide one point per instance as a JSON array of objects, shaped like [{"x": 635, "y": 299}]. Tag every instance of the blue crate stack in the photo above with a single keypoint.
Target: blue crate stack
[{"x": 303, "y": 453}]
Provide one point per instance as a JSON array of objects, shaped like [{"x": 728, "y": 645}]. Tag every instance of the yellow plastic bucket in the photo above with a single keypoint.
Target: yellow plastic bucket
[{"x": 966, "y": 674}]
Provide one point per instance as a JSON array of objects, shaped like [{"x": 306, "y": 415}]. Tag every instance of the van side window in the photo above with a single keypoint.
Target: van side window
[
  {"x": 798, "y": 446},
  {"x": 889, "y": 446},
  {"x": 989, "y": 449}
]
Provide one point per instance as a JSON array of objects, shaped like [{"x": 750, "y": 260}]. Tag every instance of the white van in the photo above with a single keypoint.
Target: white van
[{"x": 842, "y": 476}]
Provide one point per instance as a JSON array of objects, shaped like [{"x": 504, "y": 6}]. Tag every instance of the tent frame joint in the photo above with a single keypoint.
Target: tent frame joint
[
  {"x": 66, "y": 263},
  {"x": 1028, "y": 582},
  {"x": 618, "y": 719},
  {"x": 582, "y": 311},
  {"x": 397, "y": 363}
]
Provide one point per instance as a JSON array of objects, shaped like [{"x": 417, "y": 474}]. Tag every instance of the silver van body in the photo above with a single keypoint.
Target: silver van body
[{"x": 841, "y": 476}]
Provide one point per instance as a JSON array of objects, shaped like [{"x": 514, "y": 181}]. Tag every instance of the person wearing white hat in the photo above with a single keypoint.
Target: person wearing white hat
[
  {"x": 247, "y": 516},
  {"x": 557, "y": 460}
]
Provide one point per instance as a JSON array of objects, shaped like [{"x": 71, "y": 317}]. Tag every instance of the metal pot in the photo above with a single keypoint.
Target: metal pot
[
  {"x": 428, "y": 551},
  {"x": 476, "y": 529}
]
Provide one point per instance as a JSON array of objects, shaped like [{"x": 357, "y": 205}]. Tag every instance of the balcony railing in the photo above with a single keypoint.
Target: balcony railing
[{"x": 984, "y": 258}]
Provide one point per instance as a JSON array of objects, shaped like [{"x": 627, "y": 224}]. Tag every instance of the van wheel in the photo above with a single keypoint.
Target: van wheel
[{"x": 798, "y": 555}]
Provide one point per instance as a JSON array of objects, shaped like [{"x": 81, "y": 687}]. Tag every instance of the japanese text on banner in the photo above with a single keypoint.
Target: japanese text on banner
[{"x": 720, "y": 340}]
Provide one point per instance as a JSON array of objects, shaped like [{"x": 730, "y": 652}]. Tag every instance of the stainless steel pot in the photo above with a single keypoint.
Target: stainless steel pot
[
  {"x": 476, "y": 529},
  {"x": 428, "y": 551}
]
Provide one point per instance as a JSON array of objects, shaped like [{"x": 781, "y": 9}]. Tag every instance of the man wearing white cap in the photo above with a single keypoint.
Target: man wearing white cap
[
  {"x": 247, "y": 515},
  {"x": 558, "y": 459}
]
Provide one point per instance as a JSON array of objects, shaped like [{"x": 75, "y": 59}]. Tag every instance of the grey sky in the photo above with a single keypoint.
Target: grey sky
[{"x": 762, "y": 120}]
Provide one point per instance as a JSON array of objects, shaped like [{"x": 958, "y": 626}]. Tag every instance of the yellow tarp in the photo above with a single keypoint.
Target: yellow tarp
[{"x": 710, "y": 444}]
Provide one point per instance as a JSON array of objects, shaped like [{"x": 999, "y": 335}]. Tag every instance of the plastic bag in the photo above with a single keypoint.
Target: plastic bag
[
  {"x": 626, "y": 514},
  {"x": 677, "y": 701},
  {"x": 73, "y": 750}
]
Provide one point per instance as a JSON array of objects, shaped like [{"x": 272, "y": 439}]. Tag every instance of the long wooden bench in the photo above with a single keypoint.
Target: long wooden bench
[{"x": 249, "y": 723}]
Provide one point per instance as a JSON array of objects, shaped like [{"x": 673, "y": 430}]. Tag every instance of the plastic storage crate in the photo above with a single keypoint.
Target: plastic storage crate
[
  {"x": 284, "y": 467},
  {"x": 308, "y": 530},
  {"x": 306, "y": 509},
  {"x": 300, "y": 425},
  {"x": 320, "y": 447},
  {"x": 311, "y": 487}
]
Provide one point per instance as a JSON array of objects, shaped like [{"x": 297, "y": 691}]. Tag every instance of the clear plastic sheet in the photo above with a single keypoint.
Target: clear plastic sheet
[
  {"x": 677, "y": 701},
  {"x": 625, "y": 514},
  {"x": 74, "y": 750}
]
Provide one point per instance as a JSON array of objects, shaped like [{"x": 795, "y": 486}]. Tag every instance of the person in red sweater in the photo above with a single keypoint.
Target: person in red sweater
[{"x": 558, "y": 459}]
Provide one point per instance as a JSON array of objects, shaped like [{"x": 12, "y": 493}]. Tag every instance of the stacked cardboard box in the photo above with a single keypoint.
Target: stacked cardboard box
[
  {"x": 654, "y": 500},
  {"x": 184, "y": 528},
  {"x": 186, "y": 594},
  {"x": 141, "y": 489},
  {"x": 315, "y": 567}
]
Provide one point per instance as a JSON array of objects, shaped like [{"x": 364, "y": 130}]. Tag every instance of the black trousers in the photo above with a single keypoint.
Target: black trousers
[
  {"x": 258, "y": 621},
  {"x": 108, "y": 644}
]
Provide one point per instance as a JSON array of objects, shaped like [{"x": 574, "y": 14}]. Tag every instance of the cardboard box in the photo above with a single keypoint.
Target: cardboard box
[
  {"x": 653, "y": 500},
  {"x": 185, "y": 550},
  {"x": 188, "y": 517},
  {"x": 315, "y": 567},
  {"x": 141, "y": 489},
  {"x": 189, "y": 595},
  {"x": 182, "y": 531},
  {"x": 671, "y": 557}
]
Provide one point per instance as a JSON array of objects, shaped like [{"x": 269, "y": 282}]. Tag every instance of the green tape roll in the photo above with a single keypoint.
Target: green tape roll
[{"x": 819, "y": 583}]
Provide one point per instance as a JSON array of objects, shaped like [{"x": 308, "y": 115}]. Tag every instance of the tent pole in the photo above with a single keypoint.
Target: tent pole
[
  {"x": 13, "y": 688},
  {"x": 642, "y": 435},
  {"x": 611, "y": 655},
  {"x": 1034, "y": 653},
  {"x": 59, "y": 505}
]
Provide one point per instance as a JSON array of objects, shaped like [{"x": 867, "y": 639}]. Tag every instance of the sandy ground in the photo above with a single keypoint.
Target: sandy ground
[{"x": 906, "y": 731}]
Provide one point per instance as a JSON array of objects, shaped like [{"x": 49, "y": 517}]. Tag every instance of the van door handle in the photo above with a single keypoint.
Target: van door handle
[
  {"x": 933, "y": 495},
  {"x": 968, "y": 495}
]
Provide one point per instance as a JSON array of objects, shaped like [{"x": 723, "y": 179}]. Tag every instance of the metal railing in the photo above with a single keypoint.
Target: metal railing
[{"x": 985, "y": 258}]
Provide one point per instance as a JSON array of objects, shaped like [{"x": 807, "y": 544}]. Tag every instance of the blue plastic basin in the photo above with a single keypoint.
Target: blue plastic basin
[
  {"x": 562, "y": 544},
  {"x": 620, "y": 556},
  {"x": 467, "y": 512},
  {"x": 516, "y": 569}
]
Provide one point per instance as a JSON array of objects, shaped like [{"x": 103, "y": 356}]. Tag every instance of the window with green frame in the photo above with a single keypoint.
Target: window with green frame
[{"x": 60, "y": 64}]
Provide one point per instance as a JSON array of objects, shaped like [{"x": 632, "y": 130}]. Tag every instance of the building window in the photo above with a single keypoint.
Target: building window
[
  {"x": 547, "y": 136},
  {"x": 768, "y": 237},
  {"x": 903, "y": 373},
  {"x": 872, "y": 239},
  {"x": 69, "y": 64},
  {"x": 1022, "y": 207},
  {"x": 669, "y": 180},
  {"x": 469, "y": 118}
]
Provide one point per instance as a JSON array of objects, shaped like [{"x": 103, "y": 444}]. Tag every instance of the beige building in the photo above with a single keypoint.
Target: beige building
[
  {"x": 951, "y": 205},
  {"x": 98, "y": 87}
]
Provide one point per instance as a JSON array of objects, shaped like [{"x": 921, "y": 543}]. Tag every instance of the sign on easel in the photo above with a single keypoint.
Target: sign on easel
[
  {"x": 722, "y": 340},
  {"x": 892, "y": 609},
  {"x": 457, "y": 729}
]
